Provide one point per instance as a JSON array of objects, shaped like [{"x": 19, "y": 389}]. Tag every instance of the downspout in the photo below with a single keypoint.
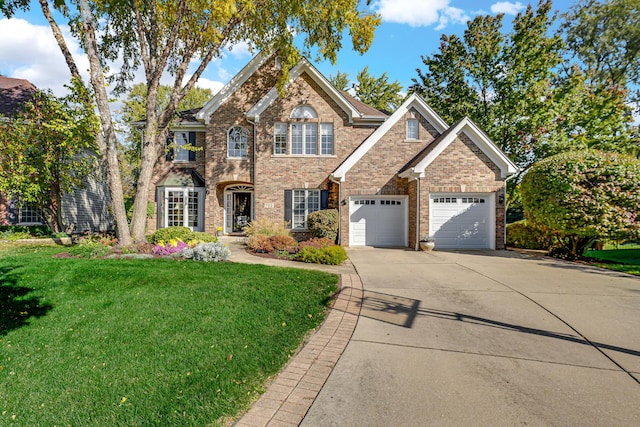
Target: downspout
[
  {"x": 337, "y": 181},
  {"x": 417, "y": 245}
]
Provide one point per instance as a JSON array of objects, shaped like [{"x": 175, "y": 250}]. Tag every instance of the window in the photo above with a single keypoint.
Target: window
[
  {"x": 183, "y": 207},
  {"x": 412, "y": 129},
  {"x": 298, "y": 204},
  {"x": 280, "y": 138},
  {"x": 29, "y": 214},
  {"x": 176, "y": 142},
  {"x": 326, "y": 138},
  {"x": 304, "y": 202},
  {"x": 237, "y": 142},
  {"x": 445, "y": 200},
  {"x": 304, "y": 138}
]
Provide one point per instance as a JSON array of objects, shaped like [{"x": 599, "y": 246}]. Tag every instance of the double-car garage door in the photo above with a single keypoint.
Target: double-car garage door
[{"x": 457, "y": 221}]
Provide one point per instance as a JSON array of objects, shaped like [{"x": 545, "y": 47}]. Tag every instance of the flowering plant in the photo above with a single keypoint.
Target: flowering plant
[{"x": 173, "y": 246}]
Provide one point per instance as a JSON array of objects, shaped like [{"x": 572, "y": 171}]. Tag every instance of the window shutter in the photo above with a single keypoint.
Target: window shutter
[
  {"x": 288, "y": 199},
  {"x": 324, "y": 199},
  {"x": 192, "y": 142},
  {"x": 170, "y": 150}
]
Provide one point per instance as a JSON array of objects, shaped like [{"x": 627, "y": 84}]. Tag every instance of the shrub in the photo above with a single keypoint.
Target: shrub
[
  {"x": 208, "y": 252},
  {"x": 333, "y": 255},
  {"x": 200, "y": 237},
  {"x": 89, "y": 248},
  {"x": 584, "y": 195},
  {"x": 316, "y": 242},
  {"x": 30, "y": 230},
  {"x": 14, "y": 235},
  {"x": 166, "y": 234},
  {"x": 283, "y": 243},
  {"x": 527, "y": 235},
  {"x": 260, "y": 243},
  {"x": 172, "y": 247},
  {"x": 324, "y": 223},
  {"x": 267, "y": 227}
]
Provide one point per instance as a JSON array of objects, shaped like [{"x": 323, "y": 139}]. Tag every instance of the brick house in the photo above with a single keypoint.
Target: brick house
[
  {"x": 84, "y": 209},
  {"x": 392, "y": 178}
]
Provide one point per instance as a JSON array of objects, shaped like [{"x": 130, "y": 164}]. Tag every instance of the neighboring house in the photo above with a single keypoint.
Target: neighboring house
[
  {"x": 86, "y": 209},
  {"x": 392, "y": 178}
]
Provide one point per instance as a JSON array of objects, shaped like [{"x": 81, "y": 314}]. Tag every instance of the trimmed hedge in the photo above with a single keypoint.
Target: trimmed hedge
[{"x": 332, "y": 255}]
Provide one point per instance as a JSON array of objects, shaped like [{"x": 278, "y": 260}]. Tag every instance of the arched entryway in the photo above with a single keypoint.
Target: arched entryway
[{"x": 238, "y": 207}]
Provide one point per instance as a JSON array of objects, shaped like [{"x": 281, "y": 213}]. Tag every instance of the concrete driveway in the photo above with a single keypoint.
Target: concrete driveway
[{"x": 486, "y": 339}]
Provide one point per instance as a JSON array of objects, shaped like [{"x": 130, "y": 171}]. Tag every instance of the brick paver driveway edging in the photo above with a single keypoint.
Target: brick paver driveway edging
[{"x": 290, "y": 395}]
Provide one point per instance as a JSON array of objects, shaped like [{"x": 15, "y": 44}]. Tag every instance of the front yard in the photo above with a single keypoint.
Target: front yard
[
  {"x": 624, "y": 260},
  {"x": 145, "y": 342}
]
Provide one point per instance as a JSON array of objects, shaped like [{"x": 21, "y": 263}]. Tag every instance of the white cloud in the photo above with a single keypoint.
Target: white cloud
[
  {"x": 507, "y": 7},
  {"x": 209, "y": 84},
  {"x": 419, "y": 14},
  {"x": 32, "y": 53}
]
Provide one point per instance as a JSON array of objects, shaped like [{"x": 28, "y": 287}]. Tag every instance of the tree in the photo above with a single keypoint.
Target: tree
[
  {"x": 46, "y": 151},
  {"x": 171, "y": 36},
  {"x": 374, "y": 91},
  {"x": 133, "y": 109},
  {"x": 584, "y": 195},
  {"x": 605, "y": 37}
]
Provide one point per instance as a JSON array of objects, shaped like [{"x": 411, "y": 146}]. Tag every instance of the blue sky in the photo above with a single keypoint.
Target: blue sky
[{"x": 409, "y": 29}]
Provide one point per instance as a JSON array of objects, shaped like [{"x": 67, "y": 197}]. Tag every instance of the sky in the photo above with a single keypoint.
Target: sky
[{"x": 410, "y": 29}]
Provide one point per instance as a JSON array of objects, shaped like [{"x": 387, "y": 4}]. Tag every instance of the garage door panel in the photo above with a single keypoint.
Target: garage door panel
[
  {"x": 377, "y": 221},
  {"x": 459, "y": 221}
]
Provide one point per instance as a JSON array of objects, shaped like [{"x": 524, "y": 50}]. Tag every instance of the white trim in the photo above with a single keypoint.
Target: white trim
[
  {"x": 414, "y": 101},
  {"x": 304, "y": 66},
  {"x": 229, "y": 191},
  {"x": 246, "y": 142},
  {"x": 230, "y": 88},
  {"x": 491, "y": 199},
  {"x": 479, "y": 138},
  {"x": 405, "y": 213},
  {"x": 200, "y": 191}
]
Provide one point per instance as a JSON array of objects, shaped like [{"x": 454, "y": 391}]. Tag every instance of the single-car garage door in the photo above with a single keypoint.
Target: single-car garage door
[
  {"x": 462, "y": 221},
  {"x": 378, "y": 221}
]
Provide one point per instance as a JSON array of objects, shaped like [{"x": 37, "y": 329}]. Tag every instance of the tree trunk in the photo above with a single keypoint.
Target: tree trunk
[
  {"x": 148, "y": 161},
  {"x": 108, "y": 131}
]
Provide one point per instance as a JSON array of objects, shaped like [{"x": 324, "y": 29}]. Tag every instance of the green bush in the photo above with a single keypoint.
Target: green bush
[
  {"x": 202, "y": 237},
  {"x": 31, "y": 230},
  {"x": 14, "y": 235},
  {"x": 332, "y": 255},
  {"x": 267, "y": 227},
  {"x": 89, "y": 248},
  {"x": 525, "y": 235},
  {"x": 324, "y": 223},
  {"x": 165, "y": 234}
]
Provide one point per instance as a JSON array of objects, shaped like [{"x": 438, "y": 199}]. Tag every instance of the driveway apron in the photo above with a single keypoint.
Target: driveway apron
[{"x": 486, "y": 338}]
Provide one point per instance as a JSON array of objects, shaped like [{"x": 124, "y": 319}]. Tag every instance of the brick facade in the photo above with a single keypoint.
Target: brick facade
[{"x": 461, "y": 167}]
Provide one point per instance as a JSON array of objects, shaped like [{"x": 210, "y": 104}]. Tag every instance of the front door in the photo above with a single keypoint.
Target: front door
[{"x": 241, "y": 211}]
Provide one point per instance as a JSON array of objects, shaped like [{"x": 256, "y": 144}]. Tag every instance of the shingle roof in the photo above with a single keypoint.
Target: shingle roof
[
  {"x": 13, "y": 94},
  {"x": 429, "y": 148},
  {"x": 365, "y": 109}
]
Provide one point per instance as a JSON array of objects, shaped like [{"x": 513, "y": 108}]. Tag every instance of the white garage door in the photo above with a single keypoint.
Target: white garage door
[
  {"x": 378, "y": 221},
  {"x": 462, "y": 221}
]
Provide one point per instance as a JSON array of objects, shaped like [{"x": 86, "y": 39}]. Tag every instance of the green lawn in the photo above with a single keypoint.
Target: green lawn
[
  {"x": 145, "y": 342},
  {"x": 625, "y": 260}
]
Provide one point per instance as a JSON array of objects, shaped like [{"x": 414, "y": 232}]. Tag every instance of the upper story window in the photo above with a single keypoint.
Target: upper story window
[
  {"x": 412, "y": 129},
  {"x": 304, "y": 135},
  {"x": 237, "y": 142},
  {"x": 177, "y": 142}
]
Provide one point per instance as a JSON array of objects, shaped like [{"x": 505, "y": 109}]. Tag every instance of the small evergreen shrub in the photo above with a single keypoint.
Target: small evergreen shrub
[
  {"x": 527, "y": 235},
  {"x": 208, "y": 252},
  {"x": 324, "y": 223},
  {"x": 332, "y": 255},
  {"x": 169, "y": 233}
]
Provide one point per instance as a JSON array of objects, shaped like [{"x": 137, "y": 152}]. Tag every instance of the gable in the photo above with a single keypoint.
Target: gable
[
  {"x": 345, "y": 102},
  {"x": 465, "y": 127},
  {"x": 413, "y": 104}
]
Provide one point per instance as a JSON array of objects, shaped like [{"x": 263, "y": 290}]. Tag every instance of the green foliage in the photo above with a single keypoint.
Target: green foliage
[
  {"x": 89, "y": 248},
  {"x": 267, "y": 227},
  {"x": 526, "y": 235},
  {"x": 332, "y": 255},
  {"x": 202, "y": 237},
  {"x": 376, "y": 92},
  {"x": 324, "y": 223},
  {"x": 45, "y": 152},
  {"x": 169, "y": 233},
  {"x": 340, "y": 81},
  {"x": 32, "y": 230},
  {"x": 128, "y": 203},
  {"x": 125, "y": 341},
  {"x": 584, "y": 195},
  {"x": 14, "y": 235}
]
